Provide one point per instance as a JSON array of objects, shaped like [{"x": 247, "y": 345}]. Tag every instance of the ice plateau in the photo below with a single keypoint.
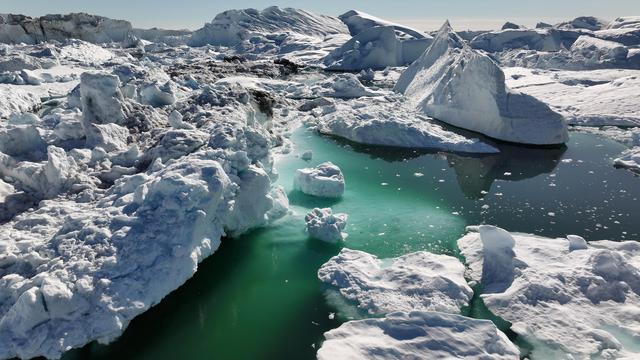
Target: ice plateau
[{"x": 568, "y": 298}]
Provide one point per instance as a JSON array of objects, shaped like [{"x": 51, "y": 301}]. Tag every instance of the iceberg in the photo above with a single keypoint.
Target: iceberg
[
  {"x": 417, "y": 335},
  {"x": 323, "y": 224},
  {"x": 419, "y": 281},
  {"x": 630, "y": 159},
  {"x": 359, "y": 21},
  {"x": 324, "y": 180},
  {"x": 569, "y": 298},
  {"x": 453, "y": 83}
]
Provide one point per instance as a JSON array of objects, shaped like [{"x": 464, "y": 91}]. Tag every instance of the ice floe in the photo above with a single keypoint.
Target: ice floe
[
  {"x": 569, "y": 299},
  {"x": 417, "y": 335}
]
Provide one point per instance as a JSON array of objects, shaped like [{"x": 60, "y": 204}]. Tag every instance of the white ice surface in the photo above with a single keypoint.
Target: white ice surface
[
  {"x": 419, "y": 281},
  {"x": 630, "y": 159},
  {"x": 417, "y": 335},
  {"x": 463, "y": 87},
  {"x": 570, "y": 302}
]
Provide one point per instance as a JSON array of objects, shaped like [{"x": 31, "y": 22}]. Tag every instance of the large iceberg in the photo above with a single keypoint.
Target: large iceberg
[
  {"x": 417, "y": 335},
  {"x": 463, "y": 87},
  {"x": 568, "y": 298},
  {"x": 376, "y": 48},
  {"x": 96, "y": 29},
  {"x": 359, "y": 21},
  {"x": 232, "y": 27},
  {"x": 630, "y": 159},
  {"x": 419, "y": 281}
]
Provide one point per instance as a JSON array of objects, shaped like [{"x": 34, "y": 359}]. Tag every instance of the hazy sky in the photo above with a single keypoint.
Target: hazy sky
[{"x": 422, "y": 14}]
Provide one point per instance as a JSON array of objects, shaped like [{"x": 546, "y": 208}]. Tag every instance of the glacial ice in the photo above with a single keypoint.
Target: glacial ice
[
  {"x": 570, "y": 299},
  {"x": 419, "y": 281},
  {"x": 630, "y": 159},
  {"x": 417, "y": 335},
  {"x": 125, "y": 207},
  {"x": 463, "y": 87},
  {"x": 323, "y": 224},
  {"x": 358, "y": 22},
  {"x": 324, "y": 180}
]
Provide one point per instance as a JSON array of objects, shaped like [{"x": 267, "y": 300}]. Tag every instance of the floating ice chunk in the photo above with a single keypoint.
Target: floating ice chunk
[
  {"x": 630, "y": 159},
  {"x": 419, "y": 281},
  {"x": 417, "y": 335},
  {"x": 325, "y": 180},
  {"x": 280, "y": 204},
  {"x": 323, "y": 224},
  {"x": 307, "y": 155},
  {"x": 466, "y": 88},
  {"x": 157, "y": 96},
  {"x": 571, "y": 299}
]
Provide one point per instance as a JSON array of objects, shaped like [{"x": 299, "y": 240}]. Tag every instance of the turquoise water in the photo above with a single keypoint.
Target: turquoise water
[{"x": 258, "y": 296}]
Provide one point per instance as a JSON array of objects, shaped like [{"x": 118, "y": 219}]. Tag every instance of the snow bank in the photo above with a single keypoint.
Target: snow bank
[
  {"x": 630, "y": 159},
  {"x": 323, "y": 225},
  {"x": 233, "y": 27},
  {"x": 388, "y": 123},
  {"x": 419, "y": 281},
  {"x": 375, "y": 48},
  {"x": 417, "y": 335},
  {"x": 463, "y": 87},
  {"x": 568, "y": 299},
  {"x": 590, "y": 98},
  {"x": 96, "y": 29},
  {"x": 325, "y": 180}
]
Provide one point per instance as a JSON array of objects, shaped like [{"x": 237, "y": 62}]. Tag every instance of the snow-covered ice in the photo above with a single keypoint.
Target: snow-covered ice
[
  {"x": 456, "y": 84},
  {"x": 417, "y": 335},
  {"x": 419, "y": 281},
  {"x": 630, "y": 159},
  {"x": 323, "y": 224},
  {"x": 592, "y": 98},
  {"x": 569, "y": 299},
  {"x": 324, "y": 180}
]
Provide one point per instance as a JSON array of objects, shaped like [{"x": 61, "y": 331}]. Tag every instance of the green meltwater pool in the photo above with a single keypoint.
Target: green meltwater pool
[{"x": 258, "y": 296}]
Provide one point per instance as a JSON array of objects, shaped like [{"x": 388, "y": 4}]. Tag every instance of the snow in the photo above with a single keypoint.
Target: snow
[
  {"x": 324, "y": 180},
  {"x": 375, "y": 48},
  {"x": 625, "y": 22},
  {"x": 534, "y": 39},
  {"x": 385, "y": 123},
  {"x": 359, "y": 21},
  {"x": 417, "y": 335},
  {"x": 591, "y": 98},
  {"x": 324, "y": 225},
  {"x": 458, "y": 85},
  {"x": 569, "y": 299},
  {"x": 419, "y": 281}
]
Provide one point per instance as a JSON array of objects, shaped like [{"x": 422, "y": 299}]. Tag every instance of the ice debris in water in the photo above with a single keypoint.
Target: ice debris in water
[{"x": 323, "y": 224}]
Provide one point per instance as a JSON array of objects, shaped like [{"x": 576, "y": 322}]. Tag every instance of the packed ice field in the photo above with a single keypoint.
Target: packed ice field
[{"x": 128, "y": 156}]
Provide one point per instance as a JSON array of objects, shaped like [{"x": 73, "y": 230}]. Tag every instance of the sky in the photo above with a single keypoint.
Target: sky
[{"x": 421, "y": 14}]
